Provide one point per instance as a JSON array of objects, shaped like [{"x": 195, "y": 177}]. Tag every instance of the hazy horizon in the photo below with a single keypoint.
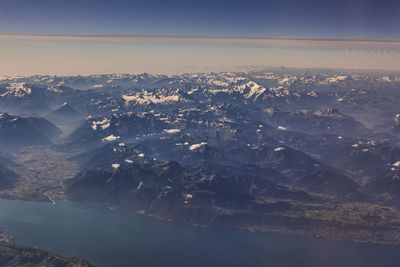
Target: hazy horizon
[{"x": 26, "y": 55}]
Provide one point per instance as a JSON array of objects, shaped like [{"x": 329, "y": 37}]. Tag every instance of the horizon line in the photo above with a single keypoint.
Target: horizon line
[{"x": 200, "y": 37}]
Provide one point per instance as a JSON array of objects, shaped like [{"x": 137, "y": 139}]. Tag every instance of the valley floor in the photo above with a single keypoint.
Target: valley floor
[{"x": 41, "y": 172}]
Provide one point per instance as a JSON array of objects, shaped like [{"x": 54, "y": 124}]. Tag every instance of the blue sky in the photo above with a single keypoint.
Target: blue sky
[{"x": 363, "y": 19}]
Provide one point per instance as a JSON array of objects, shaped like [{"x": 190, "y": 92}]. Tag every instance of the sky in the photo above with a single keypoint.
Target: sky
[
  {"x": 71, "y": 47},
  {"x": 360, "y": 19}
]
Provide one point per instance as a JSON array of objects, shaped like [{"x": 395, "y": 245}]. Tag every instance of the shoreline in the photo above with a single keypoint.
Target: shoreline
[{"x": 318, "y": 232}]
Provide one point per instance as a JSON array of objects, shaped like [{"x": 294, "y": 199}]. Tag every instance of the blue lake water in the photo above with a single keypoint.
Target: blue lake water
[{"x": 117, "y": 238}]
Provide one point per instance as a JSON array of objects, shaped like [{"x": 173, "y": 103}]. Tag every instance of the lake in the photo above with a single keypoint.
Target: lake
[{"x": 118, "y": 238}]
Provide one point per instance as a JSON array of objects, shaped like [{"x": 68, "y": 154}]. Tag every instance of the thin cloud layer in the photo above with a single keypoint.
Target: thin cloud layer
[{"x": 68, "y": 55}]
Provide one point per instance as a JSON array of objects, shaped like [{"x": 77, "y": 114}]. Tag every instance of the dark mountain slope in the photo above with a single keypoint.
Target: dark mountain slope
[{"x": 19, "y": 132}]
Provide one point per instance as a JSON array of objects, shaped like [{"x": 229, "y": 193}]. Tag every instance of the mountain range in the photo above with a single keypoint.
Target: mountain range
[{"x": 310, "y": 152}]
